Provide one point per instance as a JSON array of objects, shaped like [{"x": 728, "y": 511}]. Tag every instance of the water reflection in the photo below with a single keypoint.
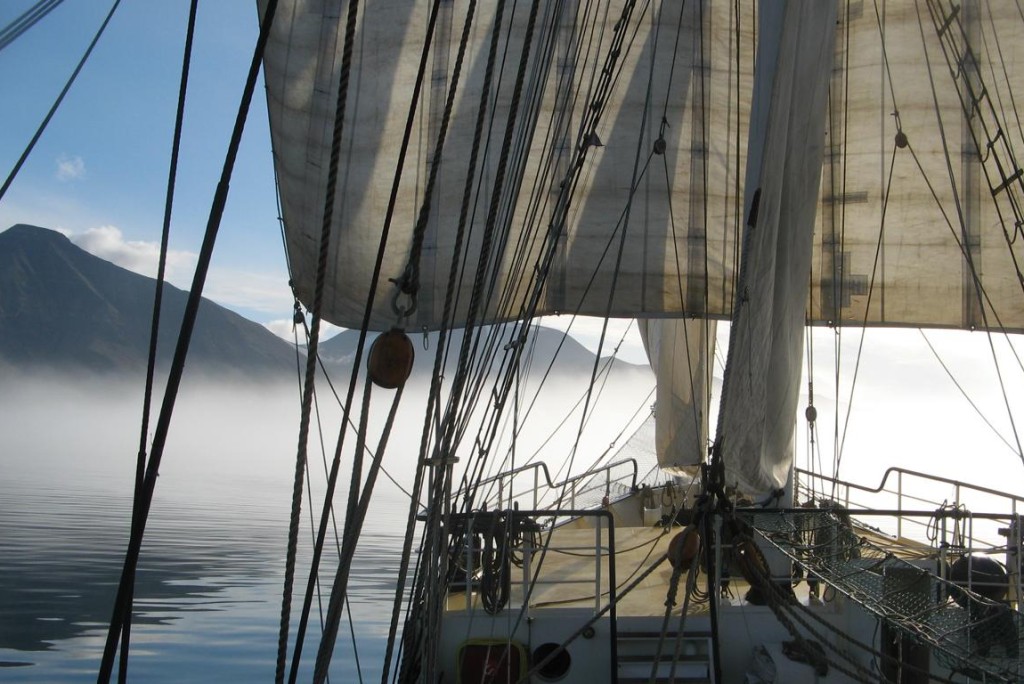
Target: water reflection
[
  {"x": 209, "y": 583},
  {"x": 208, "y": 588}
]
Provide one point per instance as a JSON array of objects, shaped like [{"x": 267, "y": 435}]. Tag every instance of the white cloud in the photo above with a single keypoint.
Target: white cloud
[
  {"x": 262, "y": 292},
  {"x": 107, "y": 242},
  {"x": 251, "y": 292},
  {"x": 70, "y": 168},
  {"x": 282, "y": 327}
]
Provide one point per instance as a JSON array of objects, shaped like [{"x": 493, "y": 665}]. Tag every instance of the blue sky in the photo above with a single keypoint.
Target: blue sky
[
  {"x": 99, "y": 172},
  {"x": 99, "y": 175}
]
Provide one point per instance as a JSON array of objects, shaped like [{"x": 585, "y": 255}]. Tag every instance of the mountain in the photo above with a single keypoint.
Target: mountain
[
  {"x": 64, "y": 309},
  {"x": 543, "y": 345}
]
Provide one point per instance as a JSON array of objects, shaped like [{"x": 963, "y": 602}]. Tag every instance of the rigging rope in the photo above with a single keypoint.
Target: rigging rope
[
  {"x": 587, "y": 132},
  {"x": 670, "y": 603},
  {"x": 434, "y": 391},
  {"x": 311, "y": 359},
  {"x": 963, "y": 392},
  {"x": 26, "y": 20},
  {"x": 410, "y": 280},
  {"x": 60, "y": 98},
  {"x": 442, "y": 481},
  {"x": 140, "y": 466},
  {"x": 863, "y": 332},
  {"x": 309, "y": 489},
  {"x": 189, "y": 316},
  {"x": 353, "y": 524},
  {"x": 968, "y": 255},
  {"x": 348, "y": 420},
  {"x": 342, "y": 575}
]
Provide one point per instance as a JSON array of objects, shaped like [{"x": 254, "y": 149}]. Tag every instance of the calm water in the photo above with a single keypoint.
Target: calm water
[
  {"x": 208, "y": 595},
  {"x": 208, "y": 591},
  {"x": 209, "y": 586}
]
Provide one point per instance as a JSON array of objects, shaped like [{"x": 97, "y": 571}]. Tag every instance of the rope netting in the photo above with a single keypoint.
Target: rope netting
[{"x": 968, "y": 633}]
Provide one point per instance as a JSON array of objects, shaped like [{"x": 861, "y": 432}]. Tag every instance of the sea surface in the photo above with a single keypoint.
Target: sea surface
[
  {"x": 208, "y": 595},
  {"x": 209, "y": 584},
  {"x": 209, "y": 587}
]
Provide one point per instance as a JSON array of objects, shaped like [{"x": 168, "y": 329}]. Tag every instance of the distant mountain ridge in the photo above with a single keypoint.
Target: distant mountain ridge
[
  {"x": 64, "y": 309},
  {"x": 545, "y": 347}
]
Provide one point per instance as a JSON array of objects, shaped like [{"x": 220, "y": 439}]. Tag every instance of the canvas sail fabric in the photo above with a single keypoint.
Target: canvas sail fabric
[
  {"x": 762, "y": 378},
  {"x": 681, "y": 353},
  {"x": 924, "y": 235},
  {"x": 675, "y": 77}
]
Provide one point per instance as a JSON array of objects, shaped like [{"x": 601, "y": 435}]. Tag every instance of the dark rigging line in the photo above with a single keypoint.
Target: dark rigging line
[
  {"x": 638, "y": 171},
  {"x": 964, "y": 393},
  {"x": 1006, "y": 77},
  {"x": 442, "y": 349},
  {"x": 374, "y": 281},
  {"x": 334, "y": 521},
  {"x": 493, "y": 233},
  {"x": 181, "y": 349},
  {"x": 841, "y": 444},
  {"x": 609, "y": 75},
  {"x": 27, "y": 20},
  {"x": 979, "y": 289},
  {"x": 140, "y": 468},
  {"x": 314, "y": 337},
  {"x": 309, "y": 492},
  {"x": 353, "y": 525},
  {"x": 60, "y": 98},
  {"x": 311, "y": 358}
]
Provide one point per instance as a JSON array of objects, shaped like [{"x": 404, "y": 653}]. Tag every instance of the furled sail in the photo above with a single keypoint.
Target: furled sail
[
  {"x": 761, "y": 383},
  {"x": 681, "y": 352}
]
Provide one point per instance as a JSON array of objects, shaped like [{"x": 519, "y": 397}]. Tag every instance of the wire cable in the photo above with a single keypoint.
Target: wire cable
[
  {"x": 60, "y": 98},
  {"x": 26, "y": 20},
  {"x": 181, "y": 351},
  {"x": 140, "y": 466}
]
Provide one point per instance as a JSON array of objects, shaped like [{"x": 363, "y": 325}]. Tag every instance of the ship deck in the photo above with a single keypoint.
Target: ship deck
[{"x": 575, "y": 572}]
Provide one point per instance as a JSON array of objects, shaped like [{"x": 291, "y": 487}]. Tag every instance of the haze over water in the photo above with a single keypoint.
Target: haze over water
[
  {"x": 213, "y": 559},
  {"x": 209, "y": 584}
]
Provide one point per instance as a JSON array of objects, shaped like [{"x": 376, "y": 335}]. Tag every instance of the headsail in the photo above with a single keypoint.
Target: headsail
[{"x": 681, "y": 352}]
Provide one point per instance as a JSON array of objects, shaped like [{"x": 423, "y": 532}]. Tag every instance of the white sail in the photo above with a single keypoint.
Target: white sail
[
  {"x": 927, "y": 234},
  {"x": 913, "y": 227},
  {"x": 937, "y": 244},
  {"x": 681, "y": 352},
  {"x": 681, "y": 225},
  {"x": 761, "y": 383}
]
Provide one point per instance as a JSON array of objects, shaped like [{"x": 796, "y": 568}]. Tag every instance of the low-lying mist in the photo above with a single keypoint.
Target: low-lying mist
[{"x": 233, "y": 440}]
